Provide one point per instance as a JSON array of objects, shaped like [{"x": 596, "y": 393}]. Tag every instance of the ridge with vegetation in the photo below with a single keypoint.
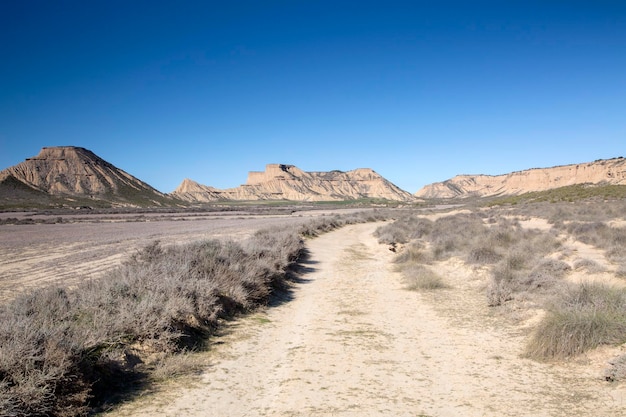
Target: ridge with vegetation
[{"x": 600, "y": 172}]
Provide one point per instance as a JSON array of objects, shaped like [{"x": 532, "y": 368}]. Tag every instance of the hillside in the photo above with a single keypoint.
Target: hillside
[
  {"x": 74, "y": 175},
  {"x": 601, "y": 172},
  {"x": 287, "y": 182}
]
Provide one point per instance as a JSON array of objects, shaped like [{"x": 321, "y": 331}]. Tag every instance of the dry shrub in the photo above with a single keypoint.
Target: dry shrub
[
  {"x": 582, "y": 318},
  {"x": 589, "y": 265},
  {"x": 403, "y": 230},
  {"x": 420, "y": 277},
  {"x": 546, "y": 274},
  {"x": 483, "y": 255},
  {"x": 413, "y": 253},
  {"x": 525, "y": 267},
  {"x": 452, "y": 235},
  {"x": 499, "y": 291},
  {"x": 39, "y": 352}
]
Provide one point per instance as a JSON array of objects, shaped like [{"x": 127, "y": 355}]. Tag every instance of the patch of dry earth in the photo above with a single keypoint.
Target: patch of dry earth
[{"x": 37, "y": 254}]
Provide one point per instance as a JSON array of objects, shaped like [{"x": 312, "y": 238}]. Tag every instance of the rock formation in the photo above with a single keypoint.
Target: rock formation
[
  {"x": 69, "y": 171},
  {"x": 192, "y": 191},
  {"x": 609, "y": 171},
  {"x": 287, "y": 182}
]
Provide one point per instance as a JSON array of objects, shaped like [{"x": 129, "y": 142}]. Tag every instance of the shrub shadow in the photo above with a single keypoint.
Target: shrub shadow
[{"x": 295, "y": 276}]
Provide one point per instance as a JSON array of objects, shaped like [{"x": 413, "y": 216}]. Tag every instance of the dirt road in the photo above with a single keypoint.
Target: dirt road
[{"x": 354, "y": 342}]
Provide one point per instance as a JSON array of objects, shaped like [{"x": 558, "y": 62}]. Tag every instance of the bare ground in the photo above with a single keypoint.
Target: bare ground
[
  {"x": 32, "y": 255},
  {"x": 354, "y": 342}
]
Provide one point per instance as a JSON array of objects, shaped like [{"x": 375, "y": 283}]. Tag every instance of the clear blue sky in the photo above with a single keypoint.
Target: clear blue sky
[{"x": 417, "y": 90}]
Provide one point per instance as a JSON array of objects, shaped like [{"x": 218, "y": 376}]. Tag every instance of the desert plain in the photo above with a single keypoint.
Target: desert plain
[
  {"x": 351, "y": 339},
  {"x": 63, "y": 249}
]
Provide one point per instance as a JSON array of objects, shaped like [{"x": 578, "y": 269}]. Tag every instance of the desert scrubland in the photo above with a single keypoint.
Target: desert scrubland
[
  {"x": 452, "y": 321},
  {"x": 67, "y": 248},
  {"x": 471, "y": 311},
  {"x": 70, "y": 344}
]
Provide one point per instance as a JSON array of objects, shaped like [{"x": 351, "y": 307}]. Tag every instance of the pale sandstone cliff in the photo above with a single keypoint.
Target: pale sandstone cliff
[
  {"x": 287, "y": 182},
  {"x": 190, "y": 190},
  {"x": 609, "y": 171}
]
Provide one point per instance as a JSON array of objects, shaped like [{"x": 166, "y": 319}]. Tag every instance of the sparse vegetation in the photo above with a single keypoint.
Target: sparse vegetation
[
  {"x": 515, "y": 253},
  {"x": 63, "y": 351},
  {"x": 524, "y": 266},
  {"x": 571, "y": 193}
]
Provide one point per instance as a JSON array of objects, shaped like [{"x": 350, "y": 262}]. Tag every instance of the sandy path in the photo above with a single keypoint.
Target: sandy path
[{"x": 353, "y": 342}]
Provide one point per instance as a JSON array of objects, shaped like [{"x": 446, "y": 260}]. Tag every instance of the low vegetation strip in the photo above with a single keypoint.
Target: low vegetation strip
[
  {"x": 526, "y": 270},
  {"x": 63, "y": 351}
]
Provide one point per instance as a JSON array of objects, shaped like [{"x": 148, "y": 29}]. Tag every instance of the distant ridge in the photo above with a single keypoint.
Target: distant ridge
[
  {"x": 600, "y": 172},
  {"x": 70, "y": 173},
  {"x": 288, "y": 182}
]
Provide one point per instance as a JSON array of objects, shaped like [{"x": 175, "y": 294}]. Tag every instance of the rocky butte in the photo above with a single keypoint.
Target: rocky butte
[
  {"x": 75, "y": 172},
  {"x": 288, "y": 182},
  {"x": 600, "y": 172}
]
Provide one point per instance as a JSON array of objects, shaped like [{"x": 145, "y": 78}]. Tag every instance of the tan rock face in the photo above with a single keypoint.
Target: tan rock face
[
  {"x": 610, "y": 171},
  {"x": 75, "y": 171},
  {"x": 192, "y": 191},
  {"x": 287, "y": 182}
]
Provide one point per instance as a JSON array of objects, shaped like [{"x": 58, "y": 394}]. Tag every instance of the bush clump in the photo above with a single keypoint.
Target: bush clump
[
  {"x": 582, "y": 318},
  {"x": 420, "y": 277}
]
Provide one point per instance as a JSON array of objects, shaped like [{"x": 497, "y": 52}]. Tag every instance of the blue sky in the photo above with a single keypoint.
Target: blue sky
[{"x": 417, "y": 90}]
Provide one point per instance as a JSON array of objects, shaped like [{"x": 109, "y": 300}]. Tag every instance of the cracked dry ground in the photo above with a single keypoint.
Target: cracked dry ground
[{"x": 354, "y": 342}]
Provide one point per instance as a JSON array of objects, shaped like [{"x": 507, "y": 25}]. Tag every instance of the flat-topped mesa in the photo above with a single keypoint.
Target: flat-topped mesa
[
  {"x": 288, "y": 182},
  {"x": 61, "y": 153},
  {"x": 275, "y": 172},
  {"x": 604, "y": 171}
]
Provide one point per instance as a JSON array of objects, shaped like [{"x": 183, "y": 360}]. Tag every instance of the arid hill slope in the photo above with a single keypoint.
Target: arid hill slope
[
  {"x": 287, "y": 182},
  {"x": 607, "y": 171},
  {"x": 74, "y": 172}
]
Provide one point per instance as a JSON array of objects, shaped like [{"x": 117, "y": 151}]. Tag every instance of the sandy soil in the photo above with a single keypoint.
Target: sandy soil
[
  {"x": 354, "y": 342},
  {"x": 35, "y": 254}
]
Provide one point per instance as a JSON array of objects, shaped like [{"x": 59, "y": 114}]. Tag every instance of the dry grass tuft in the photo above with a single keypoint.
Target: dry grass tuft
[
  {"x": 582, "y": 318},
  {"x": 420, "y": 277}
]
